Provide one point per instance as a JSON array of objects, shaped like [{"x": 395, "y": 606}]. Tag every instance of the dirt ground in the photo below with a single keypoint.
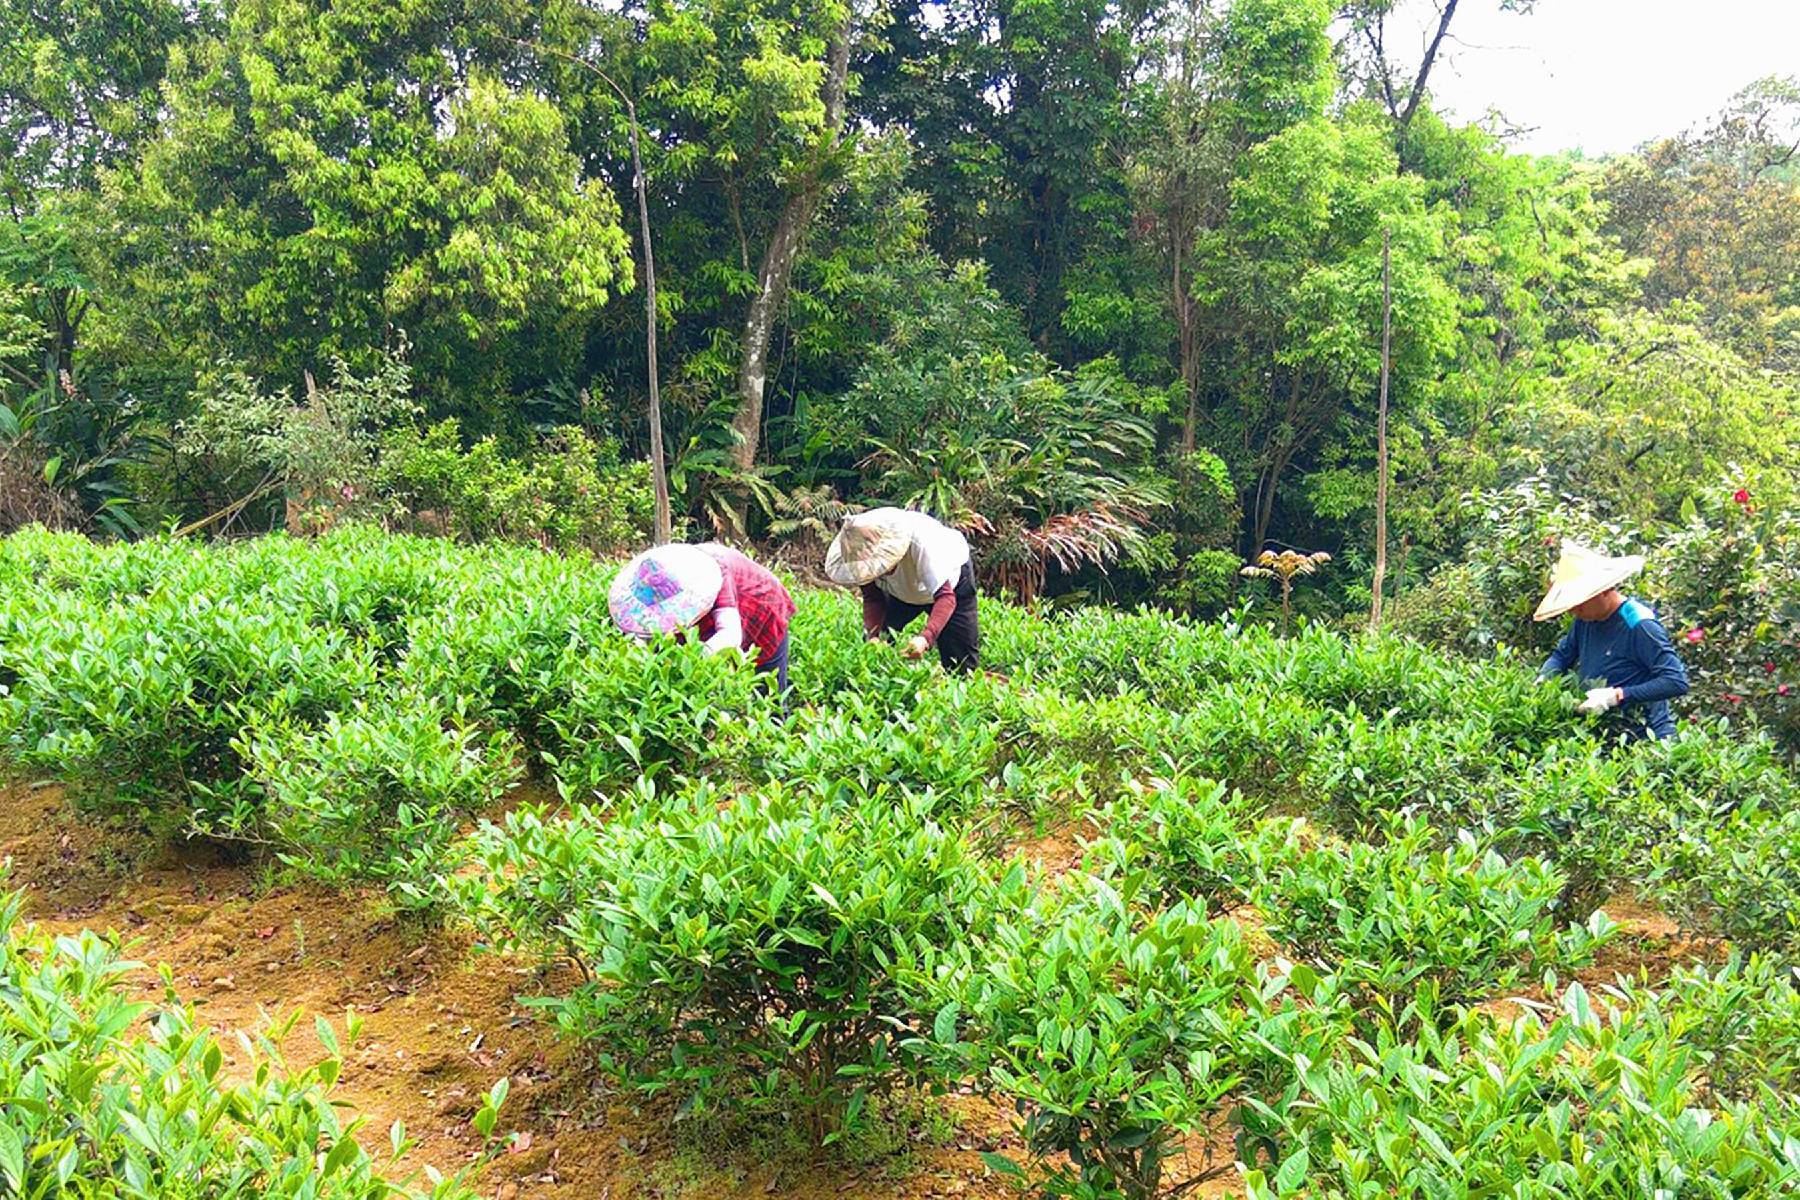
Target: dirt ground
[{"x": 442, "y": 1021}]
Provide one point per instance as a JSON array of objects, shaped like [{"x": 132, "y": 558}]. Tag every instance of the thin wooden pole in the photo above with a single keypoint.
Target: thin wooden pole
[
  {"x": 1381, "y": 436},
  {"x": 659, "y": 475}
]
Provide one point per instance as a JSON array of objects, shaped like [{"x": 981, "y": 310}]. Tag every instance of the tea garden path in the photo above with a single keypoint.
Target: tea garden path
[
  {"x": 442, "y": 1019},
  {"x": 441, "y": 1022}
]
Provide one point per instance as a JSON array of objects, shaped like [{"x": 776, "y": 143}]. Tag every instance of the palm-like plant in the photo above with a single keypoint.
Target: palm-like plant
[
  {"x": 1057, "y": 485},
  {"x": 810, "y": 514},
  {"x": 1284, "y": 567}
]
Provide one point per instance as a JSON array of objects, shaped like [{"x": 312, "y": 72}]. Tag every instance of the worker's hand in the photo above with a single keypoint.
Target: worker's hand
[
  {"x": 1601, "y": 699},
  {"x": 916, "y": 647}
]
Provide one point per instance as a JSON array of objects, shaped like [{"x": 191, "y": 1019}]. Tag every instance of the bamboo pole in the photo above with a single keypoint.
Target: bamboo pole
[{"x": 1381, "y": 436}]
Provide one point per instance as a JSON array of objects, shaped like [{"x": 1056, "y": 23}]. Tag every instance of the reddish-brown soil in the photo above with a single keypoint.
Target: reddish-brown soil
[{"x": 441, "y": 1023}]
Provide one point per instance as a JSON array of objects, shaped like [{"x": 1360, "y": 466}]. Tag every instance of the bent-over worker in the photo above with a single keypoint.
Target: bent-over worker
[
  {"x": 1616, "y": 643},
  {"x": 730, "y": 601},
  {"x": 906, "y": 563}
]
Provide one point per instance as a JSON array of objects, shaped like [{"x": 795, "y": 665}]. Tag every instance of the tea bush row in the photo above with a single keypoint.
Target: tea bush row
[
  {"x": 1597, "y": 1101},
  {"x": 260, "y": 691}
]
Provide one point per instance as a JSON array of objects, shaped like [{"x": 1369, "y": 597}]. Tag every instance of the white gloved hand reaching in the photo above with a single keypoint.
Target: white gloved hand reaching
[{"x": 1601, "y": 699}]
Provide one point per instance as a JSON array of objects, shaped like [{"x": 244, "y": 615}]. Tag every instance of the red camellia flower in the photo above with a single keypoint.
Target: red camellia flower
[
  {"x": 1696, "y": 634},
  {"x": 1768, "y": 668},
  {"x": 1782, "y": 690},
  {"x": 1731, "y": 699},
  {"x": 1741, "y": 496}
]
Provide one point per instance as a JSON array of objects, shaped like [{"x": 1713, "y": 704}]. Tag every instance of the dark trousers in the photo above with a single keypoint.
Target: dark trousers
[
  {"x": 959, "y": 645},
  {"x": 778, "y": 667}
]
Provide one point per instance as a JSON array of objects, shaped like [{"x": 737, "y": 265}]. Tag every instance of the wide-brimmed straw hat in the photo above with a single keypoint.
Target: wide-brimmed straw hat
[
  {"x": 664, "y": 589},
  {"x": 867, "y": 546},
  {"x": 1581, "y": 574}
]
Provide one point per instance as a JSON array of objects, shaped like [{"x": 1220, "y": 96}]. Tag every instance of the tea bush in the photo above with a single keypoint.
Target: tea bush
[
  {"x": 1741, "y": 1018},
  {"x": 778, "y": 919},
  {"x": 137, "y": 706},
  {"x": 1398, "y": 917},
  {"x": 932, "y": 753},
  {"x": 99, "y": 1106},
  {"x": 1199, "y": 843},
  {"x": 747, "y": 954},
  {"x": 1112, "y": 1032},
  {"x": 634, "y": 709},
  {"x": 376, "y": 793},
  {"x": 1599, "y": 1102}
]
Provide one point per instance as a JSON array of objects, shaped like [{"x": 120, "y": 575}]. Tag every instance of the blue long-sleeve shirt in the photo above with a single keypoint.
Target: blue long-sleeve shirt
[{"x": 1631, "y": 651}]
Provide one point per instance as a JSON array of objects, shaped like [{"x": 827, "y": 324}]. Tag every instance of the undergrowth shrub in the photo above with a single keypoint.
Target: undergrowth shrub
[
  {"x": 747, "y": 955},
  {"x": 570, "y": 492},
  {"x": 1399, "y": 916},
  {"x": 101, "y": 1103}
]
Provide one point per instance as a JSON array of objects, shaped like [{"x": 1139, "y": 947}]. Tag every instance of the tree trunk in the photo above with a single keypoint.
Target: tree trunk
[
  {"x": 1187, "y": 331},
  {"x": 1445, "y": 16},
  {"x": 777, "y": 268},
  {"x": 1381, "y": 438}
]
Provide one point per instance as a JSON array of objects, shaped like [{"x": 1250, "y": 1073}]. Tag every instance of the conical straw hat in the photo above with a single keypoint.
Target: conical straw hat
[
  {"x": 1581, "y": 574},
  {"x": 868, "y": 546},
  {"x": 664, "y": 589}
]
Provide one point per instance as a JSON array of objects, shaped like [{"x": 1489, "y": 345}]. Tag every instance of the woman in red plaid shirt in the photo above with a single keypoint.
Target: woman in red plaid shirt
[
  {"x": 729, "y": 601},
  {"x": 751, "y": 614}
]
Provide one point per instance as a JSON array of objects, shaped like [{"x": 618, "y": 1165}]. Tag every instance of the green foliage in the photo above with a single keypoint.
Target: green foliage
[
  {"x": 1742, "y": 1020},
  {"x": 644, "y": 710},
  {"x": 746, "y": 954},
  {"x": 568, "y": 493},
  {"x": 376, "y": 792},
  {"x": 269, "y": 220},
  {"x": 779, "y": 921},
  {"x": 1198, "y": 842},
  {"x": 1397, "y": 919},
  {"x": 1113, "y": 1032},
  {"x": 101, "y": 1106},
  {"x": 1597, "y": 1102}
]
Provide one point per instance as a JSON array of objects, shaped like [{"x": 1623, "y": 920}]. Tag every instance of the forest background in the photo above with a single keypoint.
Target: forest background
[{"x": 1101, "y": 283}]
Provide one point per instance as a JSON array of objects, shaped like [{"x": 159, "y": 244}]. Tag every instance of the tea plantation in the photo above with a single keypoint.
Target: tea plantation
[{"x": 1305, "y": 874}]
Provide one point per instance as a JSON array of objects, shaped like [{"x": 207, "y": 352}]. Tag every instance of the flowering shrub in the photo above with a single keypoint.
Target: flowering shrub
[{"x": 1730, "y": 579}]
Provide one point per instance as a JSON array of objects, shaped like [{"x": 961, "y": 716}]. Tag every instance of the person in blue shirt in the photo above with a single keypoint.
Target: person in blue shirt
[{"x": 1616, "y": 643}]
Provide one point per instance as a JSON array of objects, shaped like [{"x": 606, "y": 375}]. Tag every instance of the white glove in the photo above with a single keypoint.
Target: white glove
[{"x": 1601, "y": 699}]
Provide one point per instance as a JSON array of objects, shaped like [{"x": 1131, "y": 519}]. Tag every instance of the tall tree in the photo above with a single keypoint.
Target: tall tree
[
  {"x": 1293, "y": 282},
  {"x": 1225, "y": 80},
  {"x": 777, "y": 269},
  {"x": 79, "y": 93},
  {"x": 334, "y": 171}
]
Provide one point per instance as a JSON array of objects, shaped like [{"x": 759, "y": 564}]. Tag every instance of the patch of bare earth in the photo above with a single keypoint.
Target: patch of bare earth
[{"x": 441, "y": 1022}]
